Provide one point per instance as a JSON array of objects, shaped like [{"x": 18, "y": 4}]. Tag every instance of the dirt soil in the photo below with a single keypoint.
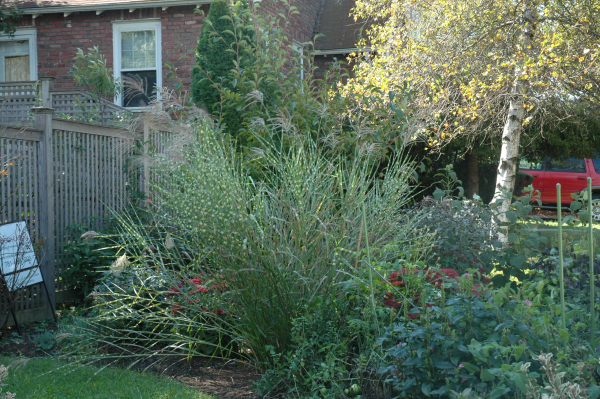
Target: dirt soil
[
  {"x": 548, "y": 213},
  {"x": 224, "y": 380}
]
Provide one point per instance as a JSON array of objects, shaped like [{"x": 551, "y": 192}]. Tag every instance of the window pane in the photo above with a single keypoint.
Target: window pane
[
  {"x": 139, "y": 52},
  {"x": 151, "y": 58},
  {"x": 150, "y": 49},
  {"x": 14, "y": 61},
  {"x": 523, "y": 164},
  {"x": 566, "y": 165},
  {"x": 127, "y": 41},
  {"x": 16, "y": 69},
  {"x": 138, "y": 88},
  {"x": 127, "y": 59},
  {"x": 597, "y": 164},
  {"x": 138, "y": 49}
]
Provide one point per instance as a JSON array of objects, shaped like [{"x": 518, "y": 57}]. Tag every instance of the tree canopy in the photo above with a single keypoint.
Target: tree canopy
[{"x": 486, "y": 67}]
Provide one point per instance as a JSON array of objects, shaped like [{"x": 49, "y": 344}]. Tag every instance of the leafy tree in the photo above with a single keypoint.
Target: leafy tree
[
  {"x": 484, "y": 67},
  {"x": 8, "y": 17},
  {"x": 223, "y": 45}
]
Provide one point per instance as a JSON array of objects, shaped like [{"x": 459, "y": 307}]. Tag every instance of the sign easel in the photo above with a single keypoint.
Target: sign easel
[{"x": 19, "y": 267}]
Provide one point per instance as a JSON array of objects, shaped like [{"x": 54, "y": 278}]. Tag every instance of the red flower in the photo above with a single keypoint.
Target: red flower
[
  {"x": 413, "y": 316},
  {"x": 483, "y": 278},
  {"x": 220, "y": 312},
  {"x": 392, "y": 303},
  {"x": 437, "y": 278}
]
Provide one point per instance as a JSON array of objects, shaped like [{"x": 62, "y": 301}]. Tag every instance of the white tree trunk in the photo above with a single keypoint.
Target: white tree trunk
[
  {"x": 511, "y": 134},
  {"x": 509, "y": 154}
]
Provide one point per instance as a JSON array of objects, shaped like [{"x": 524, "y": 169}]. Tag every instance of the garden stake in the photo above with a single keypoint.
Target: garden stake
[
  {"x": 592, "y": 277},
  {"x": 364, "y": 222},
  {"x": 560, "y": 257}
]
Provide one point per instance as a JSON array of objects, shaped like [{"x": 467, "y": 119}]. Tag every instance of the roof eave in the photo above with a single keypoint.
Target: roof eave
[
  {"x": 112, "y": 6},
  {"x": 341, "y": 50}
]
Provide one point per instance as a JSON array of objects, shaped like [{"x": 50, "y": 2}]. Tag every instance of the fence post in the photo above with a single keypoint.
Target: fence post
[
  {"x": 43, "y": 121},
  {"x": 145, "y": 124},
  {"x": 45, "y": 88},
  {"x": 146, "y": 136}
]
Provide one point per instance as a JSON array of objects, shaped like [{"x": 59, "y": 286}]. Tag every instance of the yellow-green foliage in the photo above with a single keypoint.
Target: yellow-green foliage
[{"x": 464, "y": 59}]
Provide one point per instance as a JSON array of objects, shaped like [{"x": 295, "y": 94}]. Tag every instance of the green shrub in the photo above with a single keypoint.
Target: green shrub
[
  {"x": 87, "y": 255},
  {"x": 462, "y": 228},
  {"x": 461, "y": 343},
  {"x": 481, "y": 340},
  {"x": 319, "y": 365},
  {"x": 224, "y": 39}
]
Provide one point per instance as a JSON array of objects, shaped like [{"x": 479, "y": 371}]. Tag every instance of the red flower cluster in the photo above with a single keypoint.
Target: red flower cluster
[
  {"x": 431, "y": 276},
  {"x": 198, "y": 286},
  {"x": 391, "y": 302}
]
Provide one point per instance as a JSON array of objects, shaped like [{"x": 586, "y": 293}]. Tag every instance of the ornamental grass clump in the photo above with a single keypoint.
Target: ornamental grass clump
[{"x": 270, "y": 246}]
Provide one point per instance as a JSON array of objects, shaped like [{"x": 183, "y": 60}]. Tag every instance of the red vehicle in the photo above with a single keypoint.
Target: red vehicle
[{"x": 571, "y": 173}]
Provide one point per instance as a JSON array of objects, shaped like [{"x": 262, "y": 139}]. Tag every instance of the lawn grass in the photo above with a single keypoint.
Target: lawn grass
[
  {"x": 47, "y": 378},
  {"x": 571, "y": 234},
  {"x": 553, "y": 224}
]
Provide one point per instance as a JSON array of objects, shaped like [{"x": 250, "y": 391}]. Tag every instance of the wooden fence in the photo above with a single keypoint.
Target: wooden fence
[
  {"x": 57, "y": 172},
  {"x": 18, "y": 98}
]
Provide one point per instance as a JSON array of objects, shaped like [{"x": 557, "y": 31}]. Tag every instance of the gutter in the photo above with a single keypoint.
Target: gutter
[
  {"x": 101, "y": 7},
  {"x": 342, "y": 51}
]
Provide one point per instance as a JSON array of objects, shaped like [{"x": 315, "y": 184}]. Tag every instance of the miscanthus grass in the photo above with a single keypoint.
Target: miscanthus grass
[{"x": 262, "y": 244}]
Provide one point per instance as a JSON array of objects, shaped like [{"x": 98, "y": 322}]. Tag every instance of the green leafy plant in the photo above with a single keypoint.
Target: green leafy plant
[
  {"x": 45, "y": 341},
  {"x": 8, "y": 18},
  {"x": 90, "y": 71},
  {"x": 466, "y": 340},
  {"x": 521, "y": 240},
  {"x": 87, "y": 255},
  {"x": 318, "y": 366}
]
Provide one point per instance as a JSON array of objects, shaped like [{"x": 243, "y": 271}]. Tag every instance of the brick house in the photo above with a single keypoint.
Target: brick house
[
  {"x": 340, "y": 34},
  {"x": 138, "y": 37}
]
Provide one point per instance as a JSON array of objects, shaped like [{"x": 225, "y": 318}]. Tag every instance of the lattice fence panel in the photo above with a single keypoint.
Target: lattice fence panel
[
  {"x": 19, "y": 185},
  {"x": 90, "y": 180},
  {"x": 16, "y": 100}
]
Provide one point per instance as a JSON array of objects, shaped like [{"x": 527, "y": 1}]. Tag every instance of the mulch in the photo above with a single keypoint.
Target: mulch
[
  {"x": 222, "y": 379},
  {"x": 547, "y": 213}
]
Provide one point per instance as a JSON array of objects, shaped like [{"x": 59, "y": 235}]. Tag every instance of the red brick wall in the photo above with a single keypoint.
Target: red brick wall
[
  {"x": 59, "y": 37},
  {"x": 301, "y": 25}
]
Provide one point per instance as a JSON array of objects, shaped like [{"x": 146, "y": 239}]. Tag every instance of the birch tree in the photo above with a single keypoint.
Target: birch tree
[{"x": 484, "y": 67}]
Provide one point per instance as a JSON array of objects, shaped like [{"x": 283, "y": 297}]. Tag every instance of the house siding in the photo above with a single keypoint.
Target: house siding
[
  {"x": 302, "y": 25},
  {"x": 59, "y": 37}
]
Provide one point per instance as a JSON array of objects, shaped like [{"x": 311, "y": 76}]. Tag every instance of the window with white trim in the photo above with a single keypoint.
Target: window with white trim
[
  {"x": 18, "y": 56},
  {"x": 299, "y": 55},
  {"x": 137, "y": 61}
]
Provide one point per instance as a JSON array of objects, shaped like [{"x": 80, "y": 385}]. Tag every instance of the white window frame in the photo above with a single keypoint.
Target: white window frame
[
  {"x": 29, "y": 34},
  {"x": 134, "y": 26},
  {"x": 299, "y": 50}
]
